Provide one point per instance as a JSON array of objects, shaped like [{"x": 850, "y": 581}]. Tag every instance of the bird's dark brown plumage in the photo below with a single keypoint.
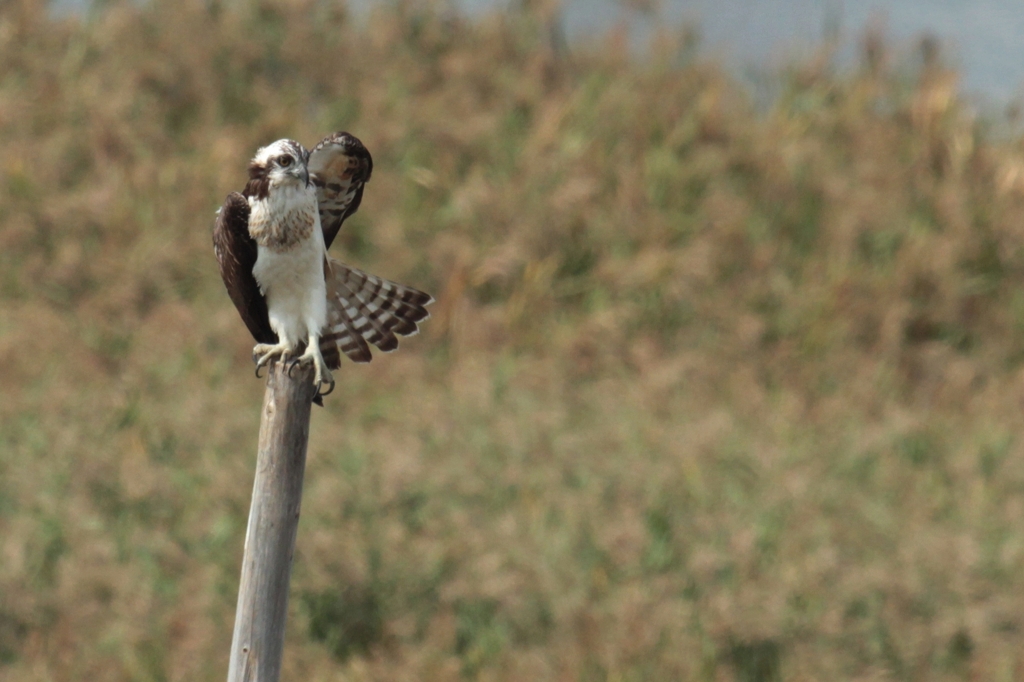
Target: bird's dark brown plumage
[
  {"x": 339, "y": 185},
  {"x": 236, "y": 255}
]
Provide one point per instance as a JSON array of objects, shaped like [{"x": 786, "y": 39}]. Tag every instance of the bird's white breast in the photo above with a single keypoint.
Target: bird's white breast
[
  {"x": 285, "y": 217},
  {"x": 290, "y": 260}
]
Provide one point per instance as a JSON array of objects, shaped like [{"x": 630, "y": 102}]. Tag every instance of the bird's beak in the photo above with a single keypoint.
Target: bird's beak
[{"x": 300, "y": 173}]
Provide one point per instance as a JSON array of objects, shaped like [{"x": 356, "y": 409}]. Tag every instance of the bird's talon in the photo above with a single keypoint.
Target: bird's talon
[{"x": 330, "y": 389}]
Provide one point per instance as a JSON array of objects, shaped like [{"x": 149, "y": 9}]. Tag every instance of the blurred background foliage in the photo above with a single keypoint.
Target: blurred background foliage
[{"x": 712, "y": 391}]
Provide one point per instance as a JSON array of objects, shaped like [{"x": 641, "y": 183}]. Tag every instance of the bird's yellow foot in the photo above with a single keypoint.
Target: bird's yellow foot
[
  {"x": 262, "y": 353},
  {"x": 323, "y": 375}
]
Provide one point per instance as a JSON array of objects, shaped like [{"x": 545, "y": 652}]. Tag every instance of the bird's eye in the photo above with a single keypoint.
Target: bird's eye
[{"x": 285, "y": 160}]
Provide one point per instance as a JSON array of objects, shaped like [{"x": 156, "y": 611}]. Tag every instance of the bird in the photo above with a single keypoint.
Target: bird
[{"x": 271, "y": 242}]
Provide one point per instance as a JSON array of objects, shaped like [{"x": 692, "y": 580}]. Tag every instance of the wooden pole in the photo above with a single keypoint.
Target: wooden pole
[{"x": 258, "y": 639}]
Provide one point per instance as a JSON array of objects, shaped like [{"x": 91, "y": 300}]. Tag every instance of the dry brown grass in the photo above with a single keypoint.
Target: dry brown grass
[{"x": 708, "y": 394}]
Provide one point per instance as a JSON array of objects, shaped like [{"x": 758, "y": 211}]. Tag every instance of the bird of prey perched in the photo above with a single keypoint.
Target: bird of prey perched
[{"x": 271, "y": 242}]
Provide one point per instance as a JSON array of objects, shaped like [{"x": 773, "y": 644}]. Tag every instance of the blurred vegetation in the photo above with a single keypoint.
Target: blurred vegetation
[{"x": 710, "y": 392}]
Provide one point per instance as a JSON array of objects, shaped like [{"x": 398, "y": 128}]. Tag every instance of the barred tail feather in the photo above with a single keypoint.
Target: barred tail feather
[{"x": 363, "y": 309}]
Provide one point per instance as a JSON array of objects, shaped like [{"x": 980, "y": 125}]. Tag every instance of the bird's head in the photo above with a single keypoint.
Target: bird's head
[{"x": 280, "y": 163}]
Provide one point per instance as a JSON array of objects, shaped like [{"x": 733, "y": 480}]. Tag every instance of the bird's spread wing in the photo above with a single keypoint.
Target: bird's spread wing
[
  {"x": 236, "y": 254},
  {"x": 364, "y": 309},
  {"x": 339, "y": 167}
]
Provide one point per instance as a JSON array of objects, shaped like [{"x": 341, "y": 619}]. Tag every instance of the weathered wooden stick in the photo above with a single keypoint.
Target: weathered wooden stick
[{"x": 258, "y": 639}]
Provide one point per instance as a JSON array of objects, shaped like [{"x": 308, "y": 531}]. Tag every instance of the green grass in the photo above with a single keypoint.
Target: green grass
[{"x": 709, "y": 392}]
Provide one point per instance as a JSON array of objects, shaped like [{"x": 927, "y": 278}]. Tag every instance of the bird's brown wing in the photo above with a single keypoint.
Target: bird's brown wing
[
  {"x": 339, "y": 166},
  {"x": 364, "y": 309},
  {"x": 236, "y": 253}
]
